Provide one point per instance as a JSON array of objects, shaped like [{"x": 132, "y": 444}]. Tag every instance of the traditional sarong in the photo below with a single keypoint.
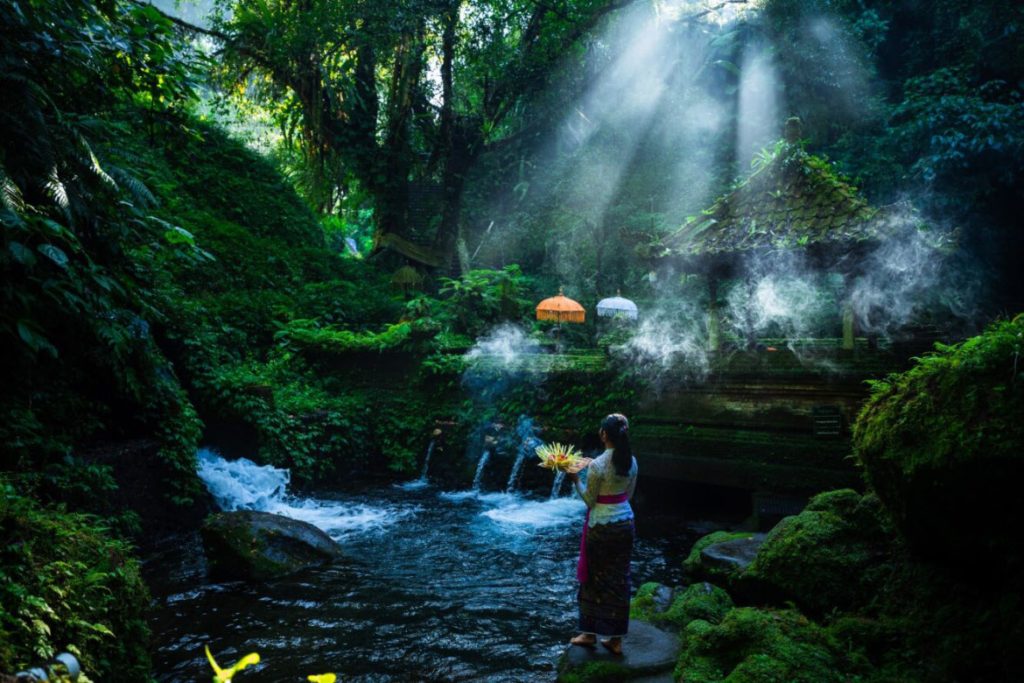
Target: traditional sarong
[{"x": 604, "y": 596}]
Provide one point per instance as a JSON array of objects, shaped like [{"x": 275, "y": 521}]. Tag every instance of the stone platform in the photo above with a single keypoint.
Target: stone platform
[{"x": 648, "y": 655}]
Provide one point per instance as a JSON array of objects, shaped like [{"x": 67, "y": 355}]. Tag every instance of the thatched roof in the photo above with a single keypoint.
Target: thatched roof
[
  {"x": 410, "y": 250},
  {"x": 794, "y": 200}
]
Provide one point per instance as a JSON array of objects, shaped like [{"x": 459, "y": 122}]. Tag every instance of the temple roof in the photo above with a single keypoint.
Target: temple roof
[
  {"x": 793, "y": 200},
  {"x": 410, "y": 250}
]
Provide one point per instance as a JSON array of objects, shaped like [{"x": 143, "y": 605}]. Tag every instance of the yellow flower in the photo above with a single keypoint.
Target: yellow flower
[
  {"x": 556, "y": 456},
  {"x": 225, "y": 675},
  {"x": 321, "y": 678}
]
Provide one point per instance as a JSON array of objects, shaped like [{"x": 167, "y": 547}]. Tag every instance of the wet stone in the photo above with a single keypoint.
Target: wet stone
[
  {"x": 647, "y": 652},
  {"x": 255, "y": 546},
  {"x": 731, "y": 557}
]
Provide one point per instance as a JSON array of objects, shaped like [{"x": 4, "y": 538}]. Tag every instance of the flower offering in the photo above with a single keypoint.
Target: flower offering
[{"x": 561, "y": 457}]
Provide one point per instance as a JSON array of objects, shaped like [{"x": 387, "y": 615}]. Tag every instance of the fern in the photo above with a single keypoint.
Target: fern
[{"x": 136, "y": 189}]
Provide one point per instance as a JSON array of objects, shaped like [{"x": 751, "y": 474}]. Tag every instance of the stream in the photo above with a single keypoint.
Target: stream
[{"x": 437, "y": 586}]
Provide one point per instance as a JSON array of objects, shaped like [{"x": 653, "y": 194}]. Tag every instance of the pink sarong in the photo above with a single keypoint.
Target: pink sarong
[{"x": 581, "y": 566}]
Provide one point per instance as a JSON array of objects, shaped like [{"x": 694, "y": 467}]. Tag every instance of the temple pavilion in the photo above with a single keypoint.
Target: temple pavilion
[{"x": 793, "y": 202}]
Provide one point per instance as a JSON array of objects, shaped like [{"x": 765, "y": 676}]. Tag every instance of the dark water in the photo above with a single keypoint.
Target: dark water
[{"x": 437, "y": 587}]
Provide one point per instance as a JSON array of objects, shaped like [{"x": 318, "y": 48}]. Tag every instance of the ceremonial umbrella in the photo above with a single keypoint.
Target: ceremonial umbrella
[
  {"x": 615, "y": 306},
  {"x": 560, "y": 309},
  {"x": 405, "y": 278}
]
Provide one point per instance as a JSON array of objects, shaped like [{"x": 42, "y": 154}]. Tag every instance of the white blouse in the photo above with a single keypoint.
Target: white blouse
[{"x": 602, "y": 480}]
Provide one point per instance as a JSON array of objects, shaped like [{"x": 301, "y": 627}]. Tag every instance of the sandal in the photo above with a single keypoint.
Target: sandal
[
  {"x": 583, "y": 641},
  {"x": 615, "y": 648}
]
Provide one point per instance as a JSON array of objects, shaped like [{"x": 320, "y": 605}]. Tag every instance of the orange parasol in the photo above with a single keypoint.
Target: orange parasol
[{"x": 560, "y": 309}]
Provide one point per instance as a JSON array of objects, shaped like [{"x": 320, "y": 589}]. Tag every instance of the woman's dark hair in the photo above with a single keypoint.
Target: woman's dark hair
[{"x": 616, "y": 427}]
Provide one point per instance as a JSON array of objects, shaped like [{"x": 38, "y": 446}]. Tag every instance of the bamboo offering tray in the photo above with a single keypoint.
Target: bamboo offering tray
[{"x": 561, "y": 458}]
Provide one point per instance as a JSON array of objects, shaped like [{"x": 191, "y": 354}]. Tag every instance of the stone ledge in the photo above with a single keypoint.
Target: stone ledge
[{"x": 647, "y": 652}]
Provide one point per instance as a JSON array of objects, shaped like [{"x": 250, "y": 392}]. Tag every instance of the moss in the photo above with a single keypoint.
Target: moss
[
  {"x": 643, "y": 606},
  {"x": 941, "y": 445},
  {"x": 692, "y": 565},
  {"x": 596, "y": 672},
  {"x": 759, "y": 645},
  {"x": 698, "y": 601},
  {"x": 830, "y": 555}
]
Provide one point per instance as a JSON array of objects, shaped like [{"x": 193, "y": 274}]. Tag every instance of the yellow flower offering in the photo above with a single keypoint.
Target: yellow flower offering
[
  {"x": 561, "y": 457},
  {"x": 225, "y": 675}
]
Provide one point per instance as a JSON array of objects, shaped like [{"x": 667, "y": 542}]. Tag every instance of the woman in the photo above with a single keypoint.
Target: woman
[{"x": 607, "y": 544}]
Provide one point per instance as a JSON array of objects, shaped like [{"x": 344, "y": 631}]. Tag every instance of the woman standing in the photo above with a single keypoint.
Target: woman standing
[{"x": 607, "y": 544}]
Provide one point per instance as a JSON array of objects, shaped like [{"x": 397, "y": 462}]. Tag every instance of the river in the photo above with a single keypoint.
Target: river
[{"x": 437, "y": 586}]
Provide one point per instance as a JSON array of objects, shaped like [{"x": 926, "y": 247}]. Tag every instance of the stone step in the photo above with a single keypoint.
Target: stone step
[{"x": 649, "y": 654}]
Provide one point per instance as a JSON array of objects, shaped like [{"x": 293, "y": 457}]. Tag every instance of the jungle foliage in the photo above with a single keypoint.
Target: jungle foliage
[
  {"x": 161, "y": 280},
  {"x": 860, "y": 586},
  {"x": 65, "y": 585}
]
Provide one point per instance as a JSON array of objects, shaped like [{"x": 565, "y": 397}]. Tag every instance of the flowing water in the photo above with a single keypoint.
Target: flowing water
[
  {"x": 481, "y": 467},
  {"x": 438, "y": 586}
]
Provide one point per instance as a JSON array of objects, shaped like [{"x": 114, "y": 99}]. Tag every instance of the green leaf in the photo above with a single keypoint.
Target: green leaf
[
  {"x": 22, "y": 254},
  {"x": 54, "y": 253},
  {"x": 100, "y": 628},
  {"x": 176, "y": 235},
  {"x": 28, "y": 331}
]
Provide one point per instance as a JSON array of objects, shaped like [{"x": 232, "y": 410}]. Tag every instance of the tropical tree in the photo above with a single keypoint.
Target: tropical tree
[{"x": 401, "y": 91}]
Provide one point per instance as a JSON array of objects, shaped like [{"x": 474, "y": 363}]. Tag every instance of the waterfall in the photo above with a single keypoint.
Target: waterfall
[
  {"x": 527, "y": 447},
  {"x": 528, "y": 442},
  {"x": 426, "y": 461},
  {"x": 243, "y": 485},
  {"x": 556, "y": 488},
  {"x": 481, "y": 466}
]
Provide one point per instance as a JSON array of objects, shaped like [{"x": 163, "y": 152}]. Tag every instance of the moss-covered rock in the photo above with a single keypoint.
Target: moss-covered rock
[
  {"x": 651, "y": 600},
  {"x": 831, "y": 555},
  {"x": 597, "y": 672},
  {"x": 759, "y": 645},
  {"x": 251, "y": 545},
  {"x": 698, "y": 601},
  {"x": 698, "y": 570},
  {"x": 941, "y": 444}
]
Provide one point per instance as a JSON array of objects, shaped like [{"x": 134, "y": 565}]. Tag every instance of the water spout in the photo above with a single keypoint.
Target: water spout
[
  {"x": 426, "y": 461},
  {"x": 528, "y": 443},
  {"x": 480, "y": 467},
  {"x": 556, "y": 488}
]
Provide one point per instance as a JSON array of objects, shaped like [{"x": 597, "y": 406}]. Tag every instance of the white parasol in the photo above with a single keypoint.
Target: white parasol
[{"x": 615, "y": 306}]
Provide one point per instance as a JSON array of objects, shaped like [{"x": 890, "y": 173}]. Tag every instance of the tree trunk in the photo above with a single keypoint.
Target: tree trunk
[{"x": 454, "y": 153}]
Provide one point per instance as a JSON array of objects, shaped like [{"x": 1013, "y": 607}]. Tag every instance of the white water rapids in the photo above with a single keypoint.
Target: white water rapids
[{"x": 243, "y": 485}]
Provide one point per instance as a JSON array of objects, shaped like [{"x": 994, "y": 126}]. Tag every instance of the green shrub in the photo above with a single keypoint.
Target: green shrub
[
  {"x": 66, "y": 584},
  {"x": 941, "y": 444}
]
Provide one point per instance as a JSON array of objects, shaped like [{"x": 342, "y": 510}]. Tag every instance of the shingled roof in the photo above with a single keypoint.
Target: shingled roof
[{"x": 794, "y": 200}]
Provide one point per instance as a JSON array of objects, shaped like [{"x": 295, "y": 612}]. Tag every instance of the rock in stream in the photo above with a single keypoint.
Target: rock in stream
[{"x": 255, "y": 546}]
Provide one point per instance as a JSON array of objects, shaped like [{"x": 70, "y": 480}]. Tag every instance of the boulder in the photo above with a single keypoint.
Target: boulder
[
  {"x": 698, "y": 601},
  {"x": 730, "y": 558},
  {"x": 646, "y": 652},
  {"x": 251, "y": 545},
  {"x": 697, "y": 567},
  {"x": 752, "y": 645},
  {"x": 941, "y": 446},
  {"x": 831, "y": 555}
]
